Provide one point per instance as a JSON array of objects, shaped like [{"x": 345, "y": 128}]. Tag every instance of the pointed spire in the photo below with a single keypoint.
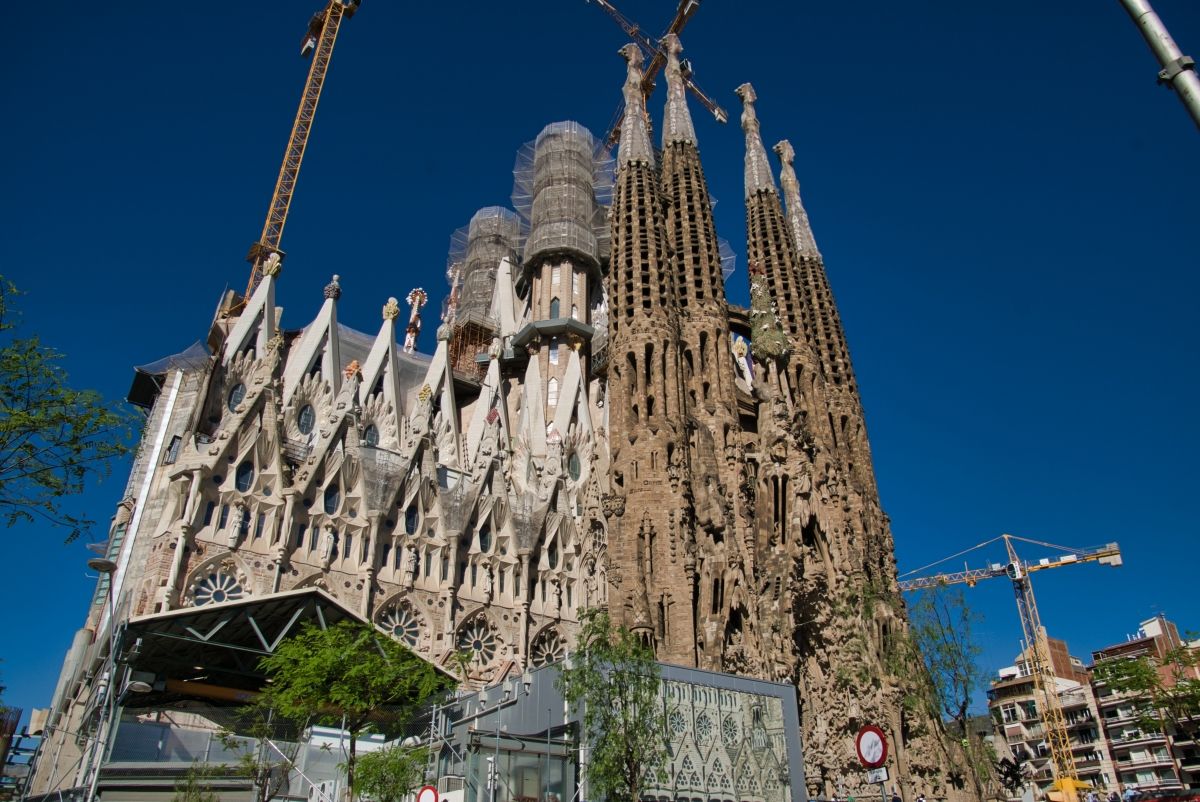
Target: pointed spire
[
  {"x": 635, "y": 133},
  {"x": 677, "y": 120},
  {"x": 806, "y": 244},
  {"x": 758, "y": 169}
]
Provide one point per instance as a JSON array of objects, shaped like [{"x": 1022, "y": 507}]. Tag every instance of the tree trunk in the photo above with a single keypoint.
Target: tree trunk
[{"x": 350, "y": 768}]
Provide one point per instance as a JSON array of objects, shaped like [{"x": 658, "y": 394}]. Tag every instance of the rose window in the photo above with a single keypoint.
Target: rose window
[
  {"x": 402, "y": 623},
  {"x": 478, "y": 639},
  {"x": 729, "y": 731},
  {"x": 678, "y": 722},
  {"x": 216, "y": 588},
  {"x": 547, "y": 649},
  {"x": 704, "y": 727}
]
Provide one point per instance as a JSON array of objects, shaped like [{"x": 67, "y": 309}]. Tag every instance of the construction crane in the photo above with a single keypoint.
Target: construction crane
[
  {"x": 658, "y": 58},
  {"x": 318, "y": 42},
  {"x": 1041, "y": 668}
]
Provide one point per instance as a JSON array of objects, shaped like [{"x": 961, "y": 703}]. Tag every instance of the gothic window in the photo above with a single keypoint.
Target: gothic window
[
  {"x": 477, "y": 637},
  {"x": 386, "y": 555},
  {"x": 371, "y": 435},
  {"x": 402, "y": 623},
  {"x": 306, "y": 419},
  {"x": 217, "y": 587},
  {"x": 244, "y": 477},
  {"x": 485, "y": 538},
  {"x": 554, "y": 342},
  {"x": 554, "y": 307},
  {"x": 173, "y": 450},
  {"x": 349, "y": 543},
  {"x": 574, "y": 467},
  {"x": 730, "y": 731},
  {"x": 333, "y": 497},
  {"x": 300, "y": 530},
  {"x": 575, "y": 311},
  {"x": 224, "y": 516},
  {"x": 552, "y": 554},
  {"x": 410, "y": 519},
  {"x": 551, "y": 394},
  {"x": 500, "y": 577},
  {"x": 209, "y": 509},
  {"x": 235, "y": 396},
  {"x": 547, "y": 648}
]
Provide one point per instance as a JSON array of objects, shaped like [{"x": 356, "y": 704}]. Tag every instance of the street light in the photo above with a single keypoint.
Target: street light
[{"x": 107, "y": 567}]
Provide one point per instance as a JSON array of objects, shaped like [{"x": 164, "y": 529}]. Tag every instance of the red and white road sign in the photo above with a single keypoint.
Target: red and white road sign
[{"x": 871, "y": 745}]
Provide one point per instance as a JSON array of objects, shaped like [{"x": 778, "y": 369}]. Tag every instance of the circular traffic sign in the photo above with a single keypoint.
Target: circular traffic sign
[
  {"x": 427, "y": 794},
  {"x": 871, "y": 745}
]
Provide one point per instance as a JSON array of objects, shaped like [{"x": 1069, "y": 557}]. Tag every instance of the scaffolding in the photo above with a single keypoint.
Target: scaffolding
[
  {"x": 494, "y": 233},
  {"x": 562, "y": 186}
]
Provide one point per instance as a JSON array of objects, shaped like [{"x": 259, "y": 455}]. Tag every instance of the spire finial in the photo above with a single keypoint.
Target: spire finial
[
  {"x": 677, "y": 121},
  {"x": 333, "y": 290},
  {"x": 806, "y": 244},
  {"x": 635, "y": 133},
  {"x": 417, "y": 298},
  {"x": 758, "y": 169}
]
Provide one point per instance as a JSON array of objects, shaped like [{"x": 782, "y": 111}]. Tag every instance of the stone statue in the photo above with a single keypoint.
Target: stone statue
[{"x": 326, "y": 546}]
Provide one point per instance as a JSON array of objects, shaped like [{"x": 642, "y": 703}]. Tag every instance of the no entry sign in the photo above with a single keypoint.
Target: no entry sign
[{"x": 871, "y": 745}]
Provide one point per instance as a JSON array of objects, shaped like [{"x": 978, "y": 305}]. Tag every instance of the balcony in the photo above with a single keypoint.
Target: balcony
[{"x": 1129, "y": 762}]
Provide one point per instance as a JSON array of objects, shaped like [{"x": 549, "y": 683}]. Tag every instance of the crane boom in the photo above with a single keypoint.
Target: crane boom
[
  {"x": 1054, "y": 723},
  {"x": 319, "y": 41},
  {"x": 658, "y": 58}
]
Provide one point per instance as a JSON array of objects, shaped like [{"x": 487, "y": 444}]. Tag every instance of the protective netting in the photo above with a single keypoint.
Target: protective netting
[
  {"x": 494, "y": 233},
  {"x": 562, "y": 182}
]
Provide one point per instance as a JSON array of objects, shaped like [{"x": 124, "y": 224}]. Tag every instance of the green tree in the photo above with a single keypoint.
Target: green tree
[
  {"x": 388, "y": 775},
  {"x": 273, "y": 752},
  {"x": 53, "y": 438},
  {"x": 196, "y": 784},
  {"x": 1164, "y": 689},
  {"x": 941, "y": 624},
  {"x": 615, "y": 678},
  {"x": 349, "y": 676}
]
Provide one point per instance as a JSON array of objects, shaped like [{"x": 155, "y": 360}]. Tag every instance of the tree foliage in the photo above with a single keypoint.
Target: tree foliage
[
  {"x": 392, "y": 773},
  {"x": 349, "y": 676},
  {"x": 941, "y": 625},
  {"x": 53, "y": 438},
  {"x": 273, "y": 755},
  {"x": 196, "y": 784},
  {"x": 614, "y": 676},
  {"x": 1164, "y": 690}
]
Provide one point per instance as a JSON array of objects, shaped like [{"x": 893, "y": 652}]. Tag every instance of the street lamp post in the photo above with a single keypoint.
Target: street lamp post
[{"x": 108, "y": 711}]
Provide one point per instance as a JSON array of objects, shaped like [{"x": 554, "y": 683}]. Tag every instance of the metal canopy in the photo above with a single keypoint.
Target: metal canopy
[{"x": 221, "y": 644}]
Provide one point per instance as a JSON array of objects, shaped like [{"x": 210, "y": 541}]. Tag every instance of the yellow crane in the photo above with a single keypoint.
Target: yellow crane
[
  {"x": 318, "y": 42},
  {"x": 1041, "y": 668}
]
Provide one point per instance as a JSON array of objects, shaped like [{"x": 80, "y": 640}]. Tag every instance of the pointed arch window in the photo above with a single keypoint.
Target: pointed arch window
[
  {"x": 371, "y": 435},
  {"x": 553, "y": 350},
  {"x": 575, "y": 311},
  {"x": 552, "y": 393},
  {"x": 410, "y": 519},
  {"x": 555, "y": 306},
  {"x": 333, "y": 498},
  {"x": 244, "y": 477}
]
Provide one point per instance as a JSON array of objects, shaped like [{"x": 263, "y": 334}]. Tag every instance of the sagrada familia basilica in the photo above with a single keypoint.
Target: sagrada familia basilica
[{"x": 597, "y": 427}]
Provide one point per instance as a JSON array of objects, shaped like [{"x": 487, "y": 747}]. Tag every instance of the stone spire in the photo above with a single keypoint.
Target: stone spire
[
  {"x": 635, "y": 131},
  {"x": 806, "y": 245},
  {"x": 677, "y": 121},
  {"x": 758, "y": 169}
]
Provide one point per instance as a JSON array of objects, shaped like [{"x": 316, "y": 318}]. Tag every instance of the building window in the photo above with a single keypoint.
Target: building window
[
  {"x": 216, "y": 588},
  {"x": 574, "y": 467},
  {"x": 574, "y": 281},
  {"x": 300, "y": 530},
  {"x": 371, "y": 436},
  {"x": 173, "y": 450},
  {"x": 306, "y": 419},
  {"x": 244, "y": 477},
  {"x": 209, "y": 509},
  {"x": 349, "y": 544},
  {"x": 552, "y": 393},
  {"x": 555, "y": 275},
  {"x": 333, "y": 497},
  {"x": 428, "y": 563},
  {"x": 554, "y": 351},
  {"x": 410, "y": 519},
  {"x": 235, "y": 396},
  {"x": 224, "y": 516},
  {"x": 554, "y": 308},
  {"x": 575, "y": 311},
  {"x": 485, "y": 538}
]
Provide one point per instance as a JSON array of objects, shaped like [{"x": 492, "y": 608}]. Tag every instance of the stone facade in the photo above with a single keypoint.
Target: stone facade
[{"x": 596, "y": 427}]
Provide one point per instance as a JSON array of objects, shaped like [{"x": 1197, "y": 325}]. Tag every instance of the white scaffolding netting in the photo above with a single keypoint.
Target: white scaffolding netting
[
  {"x": 494, "y": 233},
  {"x": 562, "y": 184}
]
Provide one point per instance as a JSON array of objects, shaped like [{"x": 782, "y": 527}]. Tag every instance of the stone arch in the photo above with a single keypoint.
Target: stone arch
[
  {"x": 403, "y": 620},
  {"x": 548, "y": 646},
  {"x": 479, "y": 635},
  {"x": 221, "y": 578}
]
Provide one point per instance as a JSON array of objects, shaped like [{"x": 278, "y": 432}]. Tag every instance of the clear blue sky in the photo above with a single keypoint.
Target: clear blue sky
[{"x": 1005, "y": 200}]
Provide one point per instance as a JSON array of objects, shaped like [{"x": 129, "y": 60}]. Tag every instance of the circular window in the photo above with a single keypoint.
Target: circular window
[
  {"x": 730, "y": 731},
  {"x": 371, "y": 436},
  {"x": 704, "y": 727},
  {"x": 333, "y": 497},
  {"x": 216, "y": 588},
  {"x": 244, "y": 477},
  {"x": 306, "y": 419},
  {"x": 547, "y": 649},
  {"x": 477, "y": 637},
  {"x": 402, "y": 624},
  {"x": 678, "y": 722},
  {"x": 236, "y": 395},
  {"x": 574, "y": 467}
]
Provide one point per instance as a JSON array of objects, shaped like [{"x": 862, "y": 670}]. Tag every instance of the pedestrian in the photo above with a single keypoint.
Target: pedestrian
[
  {"x": 1130, "y": 793},
  {"x": 896, "y": 796},
  {"x": 1113, "y": 796},
  {"x": 1092, "y": 796}
]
